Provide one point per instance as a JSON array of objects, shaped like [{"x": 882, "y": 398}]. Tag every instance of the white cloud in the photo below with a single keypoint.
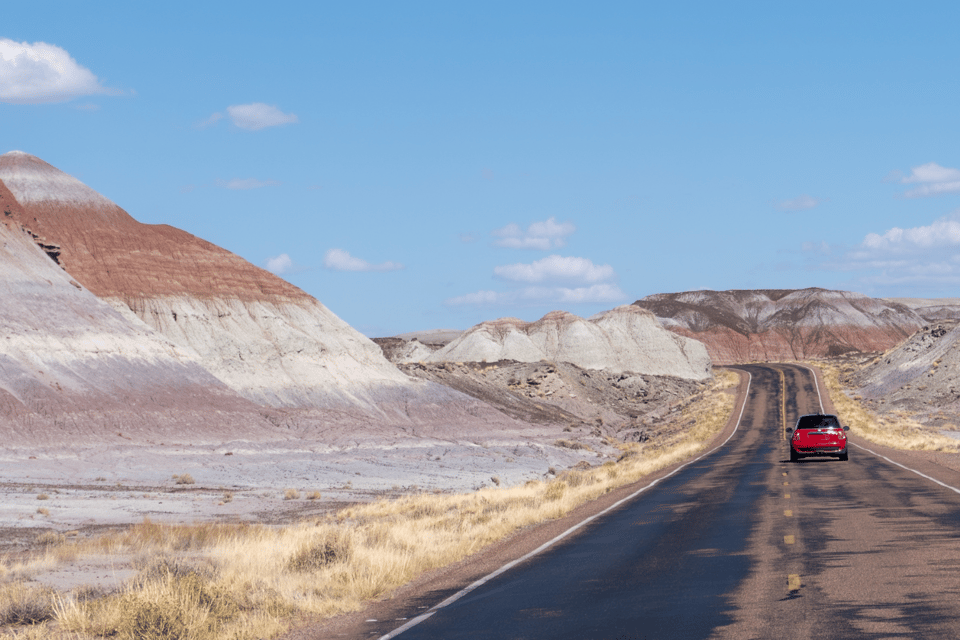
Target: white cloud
[
  {"x": 258, "y": 115},
  {"x": 926, "y": 256},
  {"x": 209, "y": 122},
  {"x": 800, "y": 203},
  {"x": 340, "y": 260},
  {"x": 556, "y": 268},
  {"x": 544, "y": 235},
  {"x": 933, "y": 180},
  {"x": 246, "y": 183},
  {"x": 942, "y": 233},
  {"x": 279, "y": 264},
  {"x": 41, "y": 72},
  {"x": 599, "y": 293}
]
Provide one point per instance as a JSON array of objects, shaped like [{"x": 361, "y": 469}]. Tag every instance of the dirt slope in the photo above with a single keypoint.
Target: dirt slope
[
  {"x": 771, "y": 325},
  {"x": 920, "y": 376}
]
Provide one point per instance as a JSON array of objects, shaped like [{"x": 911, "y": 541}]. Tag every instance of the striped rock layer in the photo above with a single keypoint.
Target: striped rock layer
[{"x": 776, "y": 325}]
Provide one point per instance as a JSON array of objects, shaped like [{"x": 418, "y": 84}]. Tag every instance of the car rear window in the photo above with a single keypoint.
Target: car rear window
[{"x": 818, "y": 422}]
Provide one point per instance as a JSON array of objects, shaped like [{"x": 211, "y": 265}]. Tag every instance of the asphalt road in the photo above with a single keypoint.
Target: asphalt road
[{"x": 740, "y": 544}]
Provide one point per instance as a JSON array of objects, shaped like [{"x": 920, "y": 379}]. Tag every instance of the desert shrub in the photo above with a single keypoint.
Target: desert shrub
[
  {"x": 185, "y": 478},
  {"x": 571, "y": 444},
  {"x": 291, "y": 494},
  {"x": 335, "y": 545},
  {"x": 22, "y": 605},
  {"x": 43, "y": 496},
  {"x": 174, "y": 608},
  {"x": 313, "y": 495},
  {"x": 153, "y": 569},
  {"x": 50, "y": 539}
]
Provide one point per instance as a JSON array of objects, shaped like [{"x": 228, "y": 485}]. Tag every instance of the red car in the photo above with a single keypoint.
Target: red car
[{"x": 818, "y": 435}]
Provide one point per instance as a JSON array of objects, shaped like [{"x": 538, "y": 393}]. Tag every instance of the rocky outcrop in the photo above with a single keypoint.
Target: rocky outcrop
[
  {"x": 921, "y": 374},
  {"x": 773, "y": 325},
  {"x": 258, "y": 334},
  {"x": 623, "y": 339}
]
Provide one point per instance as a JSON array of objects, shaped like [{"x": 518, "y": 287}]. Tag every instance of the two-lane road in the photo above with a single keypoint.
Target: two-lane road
[{"x": 740, "y": 544}]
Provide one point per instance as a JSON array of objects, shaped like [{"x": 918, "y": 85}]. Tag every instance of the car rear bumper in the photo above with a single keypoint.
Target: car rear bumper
[{"x": 820, "y": 451}]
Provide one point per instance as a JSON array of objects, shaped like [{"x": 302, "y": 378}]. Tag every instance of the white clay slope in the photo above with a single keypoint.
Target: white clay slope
[
  {"x": 624, "y": 339},
  {"x": 263, "y": 337},
  {"x": 68, "y": 359},
  {"x": 277, "y": 353}
]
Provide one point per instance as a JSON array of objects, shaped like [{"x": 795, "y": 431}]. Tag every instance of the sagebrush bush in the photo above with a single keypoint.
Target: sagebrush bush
[{"x": 23, "y": 605}]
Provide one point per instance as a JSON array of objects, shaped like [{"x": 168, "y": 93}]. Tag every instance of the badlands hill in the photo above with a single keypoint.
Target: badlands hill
[
  {"x": 782, "y": 324},
  {"x": 625, "y": 339},
  {"x": 101, "y": 312},
  {"x": 260, "y": 335}
]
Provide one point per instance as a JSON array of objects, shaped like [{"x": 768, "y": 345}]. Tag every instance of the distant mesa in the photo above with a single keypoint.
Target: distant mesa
[
  {"x": 625, "y": 339},
  {"x": 783, "y": 324}
]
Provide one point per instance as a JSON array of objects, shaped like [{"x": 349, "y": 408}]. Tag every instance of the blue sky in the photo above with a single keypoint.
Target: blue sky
[{"x": 431, "y": 165}]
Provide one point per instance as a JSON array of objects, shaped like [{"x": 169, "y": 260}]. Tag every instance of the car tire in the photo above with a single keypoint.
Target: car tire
[
  {"x": 794, "y": 456},
  {"x": 843, "y": 457}
]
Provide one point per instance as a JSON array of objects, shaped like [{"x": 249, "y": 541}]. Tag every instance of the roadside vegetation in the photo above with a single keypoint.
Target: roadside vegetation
[
  {"x": 242, "y": 582},
  {"x": 897, "y": 430}
]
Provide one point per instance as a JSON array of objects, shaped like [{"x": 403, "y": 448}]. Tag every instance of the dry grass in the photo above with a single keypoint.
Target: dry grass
[
  {"x": 185, "y": 478},
  {"x": 896, "y": 430},
  {"x": 240, "y": 582}
]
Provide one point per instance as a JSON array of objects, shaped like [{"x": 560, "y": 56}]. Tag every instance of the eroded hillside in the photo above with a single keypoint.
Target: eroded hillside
[{"x": 776, "y": 325}]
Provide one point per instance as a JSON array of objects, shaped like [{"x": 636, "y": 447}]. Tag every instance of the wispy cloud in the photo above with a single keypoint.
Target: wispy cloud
[
  {"x": 41, "y": 72},
  {"x": 553, "y": 280},
  {"x": 278, "y": 265},
  {"x": 241, "y": 184},
  {"x": 596, "y": 294},
  {"x": 933, "y": 180},
  {"x": 340, "y": 260},
  {"x": 545, "y": 235},
  {"x": 800, "y": 203},
  {"x": 252, "y": 117},
  {"x": 926, "y": 256},
  {"x": 557, "y": 269},
  {"x": 942, "y": 233}
]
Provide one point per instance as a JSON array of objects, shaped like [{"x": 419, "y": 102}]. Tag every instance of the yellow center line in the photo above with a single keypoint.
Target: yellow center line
[
  {"x": 787, "y": 496},
  {"x": 788, "y": 540},
  {"x": 793, "y": 582},
  {"x": 783, "y": 406},
  {"x": 788, "y": 512},
  {"x": 785, "y": 483}
]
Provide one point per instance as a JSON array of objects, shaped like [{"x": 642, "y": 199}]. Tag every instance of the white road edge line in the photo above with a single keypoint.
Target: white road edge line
[
  {"x": 546, "y": 545},
  {"x": 881, "y": 456}
]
